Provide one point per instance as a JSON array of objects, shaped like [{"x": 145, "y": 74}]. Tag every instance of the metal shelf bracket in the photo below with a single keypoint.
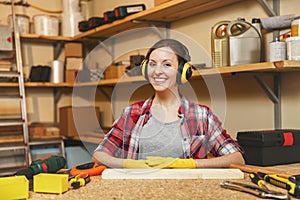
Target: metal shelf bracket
[{"x": 274, "y": 95}]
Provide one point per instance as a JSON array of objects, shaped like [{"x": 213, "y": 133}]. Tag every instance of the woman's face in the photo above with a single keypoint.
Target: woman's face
[{"x": 162, "y": 69}]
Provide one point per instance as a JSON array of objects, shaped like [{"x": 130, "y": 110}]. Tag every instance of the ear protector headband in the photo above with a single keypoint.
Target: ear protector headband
[{"x": 184, "y": 71}]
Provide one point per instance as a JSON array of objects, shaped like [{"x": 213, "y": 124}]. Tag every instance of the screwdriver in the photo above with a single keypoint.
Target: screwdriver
[{"x": 291, "y": 185}]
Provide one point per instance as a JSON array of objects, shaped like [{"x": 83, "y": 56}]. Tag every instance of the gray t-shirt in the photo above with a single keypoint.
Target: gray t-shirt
[{"x": 161, "y": 139}]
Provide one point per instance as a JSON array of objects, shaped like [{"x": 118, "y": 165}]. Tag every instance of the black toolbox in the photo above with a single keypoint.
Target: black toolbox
[{"x": 270, "y": 147}]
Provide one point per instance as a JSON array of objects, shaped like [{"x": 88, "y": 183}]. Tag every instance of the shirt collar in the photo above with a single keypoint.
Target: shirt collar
[{"x": 183, "y": 108}]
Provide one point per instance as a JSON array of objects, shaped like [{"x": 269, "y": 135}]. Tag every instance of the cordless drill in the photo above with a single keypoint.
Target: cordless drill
[{"x": 47, "y": 164}]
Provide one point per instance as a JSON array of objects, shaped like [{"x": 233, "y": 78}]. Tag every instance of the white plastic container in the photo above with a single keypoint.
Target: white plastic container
[
  {"x": 70, "y": 24},
  {"x": 244, "y": 42},
  {"x": 70, "y": 6},
  {"x": 57, "y": 71},
  {"x": 46, "y": 25},
  {"x": 277, "y": 51},
  {"x": 293, "y": 48},
  {"x": 22, "y": 23}
]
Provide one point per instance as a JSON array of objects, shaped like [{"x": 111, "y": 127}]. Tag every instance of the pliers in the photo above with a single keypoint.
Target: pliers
[{"x": 253, "y": 189}]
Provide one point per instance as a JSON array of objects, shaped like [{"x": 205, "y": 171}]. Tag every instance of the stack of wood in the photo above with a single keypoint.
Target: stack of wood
[
  {"x": 11, "y": 134},
  {"x": 43, "y": 130},
  {"x": 5, "y": 65}
]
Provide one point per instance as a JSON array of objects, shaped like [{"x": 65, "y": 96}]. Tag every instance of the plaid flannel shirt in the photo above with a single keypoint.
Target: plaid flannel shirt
[{"x": 201, "y": 131}]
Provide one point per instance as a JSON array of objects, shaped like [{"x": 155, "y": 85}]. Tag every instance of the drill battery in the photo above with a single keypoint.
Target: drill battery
[
  {"x": 95, "y": 22},
  {"x": 83, "y": 26},
  {"x": 109, "y": 16},
  {"x": 123, "y": 11}
]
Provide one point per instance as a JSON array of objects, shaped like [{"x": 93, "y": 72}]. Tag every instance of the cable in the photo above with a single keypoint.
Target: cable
[
  {"x": 20, "y": 3},
  {"x": 45, "y": 10}
]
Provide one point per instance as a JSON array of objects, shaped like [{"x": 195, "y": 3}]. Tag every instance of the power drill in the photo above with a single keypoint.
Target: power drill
[{"x": 47, "y": 164}]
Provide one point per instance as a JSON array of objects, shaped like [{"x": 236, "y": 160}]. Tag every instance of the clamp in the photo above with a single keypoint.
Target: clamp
[{"x": 80, "y": 180}]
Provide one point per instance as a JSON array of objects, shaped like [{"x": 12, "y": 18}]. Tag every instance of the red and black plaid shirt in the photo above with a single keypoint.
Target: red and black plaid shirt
[{"x": 201, "y": 131}]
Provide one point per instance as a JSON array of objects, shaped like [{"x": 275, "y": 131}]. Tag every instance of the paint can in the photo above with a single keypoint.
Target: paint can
[
  {"x": 295, "y": 27},
  {"x": 277, "y": 51},
  {"x": 293, "y": 48}
]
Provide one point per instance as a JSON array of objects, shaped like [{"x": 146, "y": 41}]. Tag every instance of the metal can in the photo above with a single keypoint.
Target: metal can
[
  {"x": 293, "y": 48},
  {"x": 295, "y": 27},
  {"x": 277, "y": 51}
]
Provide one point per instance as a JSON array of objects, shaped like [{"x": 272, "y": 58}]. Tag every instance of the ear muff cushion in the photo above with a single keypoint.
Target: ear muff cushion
[
  {"x": 184, "y": 72},
  {"x": 144, "y": 69}
]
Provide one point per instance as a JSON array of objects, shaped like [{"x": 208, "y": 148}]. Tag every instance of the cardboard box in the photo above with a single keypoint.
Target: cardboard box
[
  {"x": 74, "y": 63},
  {"x": 273, "y": 147},
  {"x": 115, "y": 71},
  {"x": 78, "y": 120},
  {"x": 71, "y": 76},
  {"x": 6, "y": 38},
  {"x": 159, "y": 2},
  {"x": 40, "y": 130},
  {"x": 73, "y": 49}
]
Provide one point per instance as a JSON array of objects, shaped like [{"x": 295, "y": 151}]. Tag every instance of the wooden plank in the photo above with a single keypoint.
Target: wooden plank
[
  {"x": 254, "y": 67},
  {"x": 43, "y": 38},
  {"x": 172, "y": 174},
  {"x": 287, "y": 64},
  {"x": 255, "y": 169}
]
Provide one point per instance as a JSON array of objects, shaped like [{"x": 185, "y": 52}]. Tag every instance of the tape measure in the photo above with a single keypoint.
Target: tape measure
[{"x": 90, "y": 168}]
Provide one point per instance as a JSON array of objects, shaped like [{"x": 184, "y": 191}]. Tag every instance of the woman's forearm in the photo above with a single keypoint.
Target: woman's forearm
[
  {"x": 107, "y": 160},
  {"x": 221, "y": 162}
]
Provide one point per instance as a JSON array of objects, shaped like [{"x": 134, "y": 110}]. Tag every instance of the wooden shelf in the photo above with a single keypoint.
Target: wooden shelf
[
  {"x": 36, "y": 84},
  {"x": 255, "y": 67},
  {"x": 43, "y": 38},
  {"x": 280, "y": 66},
  {"x": 168, "y": 12}
]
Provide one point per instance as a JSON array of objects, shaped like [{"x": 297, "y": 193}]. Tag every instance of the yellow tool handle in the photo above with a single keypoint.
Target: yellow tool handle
[{"x": 281, "y": 182}]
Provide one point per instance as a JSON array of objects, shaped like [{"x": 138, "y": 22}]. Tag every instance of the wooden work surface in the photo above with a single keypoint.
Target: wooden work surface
[{"x": 160, "y": 189}]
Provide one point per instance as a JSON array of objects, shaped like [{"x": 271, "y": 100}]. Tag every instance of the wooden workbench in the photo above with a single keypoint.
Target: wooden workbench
[{"x": 160, "y": 189}]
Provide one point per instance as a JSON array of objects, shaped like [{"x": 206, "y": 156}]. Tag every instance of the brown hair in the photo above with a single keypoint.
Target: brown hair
[{"x": 179, "y": 49}]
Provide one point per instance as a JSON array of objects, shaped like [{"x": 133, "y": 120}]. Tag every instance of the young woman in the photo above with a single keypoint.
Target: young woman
[{"x": 166, "y": 130}]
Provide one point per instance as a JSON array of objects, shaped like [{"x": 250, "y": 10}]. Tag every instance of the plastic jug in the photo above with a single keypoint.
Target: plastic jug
[
  {"x": 245, "y": 42},
  {"x": 219, "y": 44}
]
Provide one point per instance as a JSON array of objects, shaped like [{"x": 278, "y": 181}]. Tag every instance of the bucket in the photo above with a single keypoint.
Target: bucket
[
  {"x": 22, "y": 23},
  {"x": 46, "y": 25},
  {"x": 293, "y": 48}
]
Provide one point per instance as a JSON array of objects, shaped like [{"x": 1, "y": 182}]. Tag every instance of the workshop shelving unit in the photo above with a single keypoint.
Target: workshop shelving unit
[{"x": 163, "y": 15}]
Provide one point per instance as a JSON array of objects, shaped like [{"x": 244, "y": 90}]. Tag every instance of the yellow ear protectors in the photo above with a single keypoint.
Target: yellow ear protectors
[
  {"x": 144, "y": 69},
  {"x": 183, "y": 74}
]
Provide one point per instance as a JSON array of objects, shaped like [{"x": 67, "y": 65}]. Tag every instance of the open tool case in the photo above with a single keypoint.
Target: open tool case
[{"x": 273, "y": 147}]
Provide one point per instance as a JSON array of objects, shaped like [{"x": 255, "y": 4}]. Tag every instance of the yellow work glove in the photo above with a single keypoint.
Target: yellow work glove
[
  {"x": 135, "y": 164},
  {"x": 172, "y": 163}
]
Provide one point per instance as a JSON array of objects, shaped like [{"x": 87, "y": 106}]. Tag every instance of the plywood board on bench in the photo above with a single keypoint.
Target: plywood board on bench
[{"x": 172, "y": 174}]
